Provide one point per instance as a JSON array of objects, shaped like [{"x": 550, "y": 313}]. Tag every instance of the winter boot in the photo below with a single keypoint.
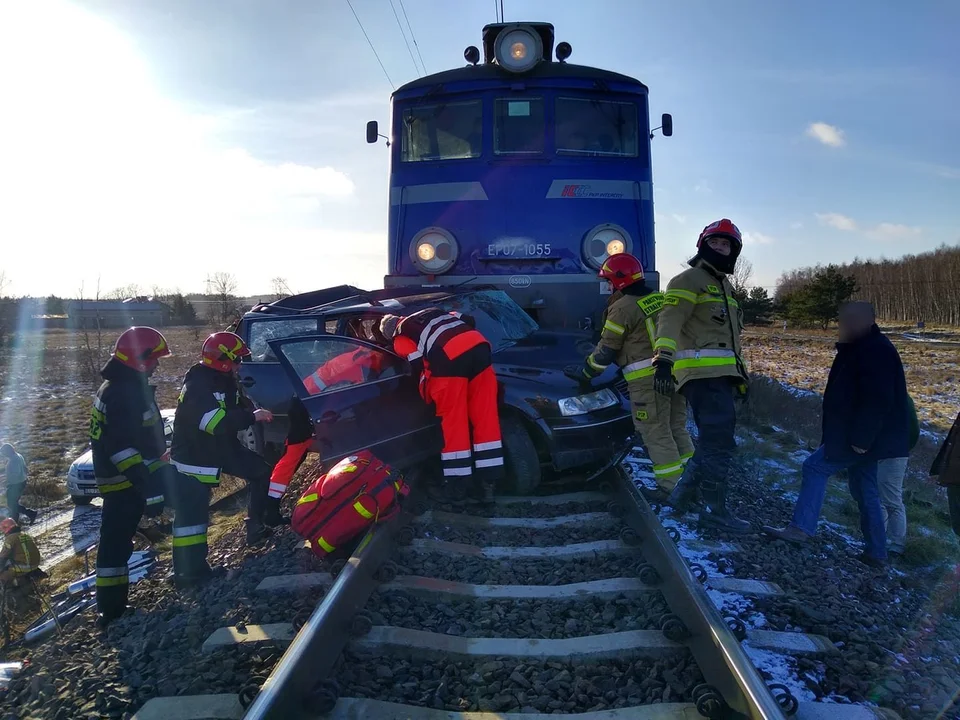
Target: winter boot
[
  {"x": 257, "y": 532},
  {"x": 486, "y": 492},
  {"x": 448, "y": 492},
  {"x": 271, "y": 516},
  {"x": 715, "y": 513},
  {"x": 684, "y": 495}
]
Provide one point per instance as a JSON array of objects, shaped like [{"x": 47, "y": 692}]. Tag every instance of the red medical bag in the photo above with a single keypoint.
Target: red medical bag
[{"x": 357, "y": 492}]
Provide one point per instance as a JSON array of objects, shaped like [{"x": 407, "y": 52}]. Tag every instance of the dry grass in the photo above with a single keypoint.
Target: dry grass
[{"x": 45, "y": 395}]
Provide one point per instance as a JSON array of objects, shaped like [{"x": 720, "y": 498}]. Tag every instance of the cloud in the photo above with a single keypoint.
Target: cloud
[
  {"x": 892, "y": 231},
  {"x": 826, "y": 134},
  {"x": 757, "y": 238},
  {"x": 838, "y": 221},
  {"x": 703, "y": 187},
  {"x": 682, "y": 219}
]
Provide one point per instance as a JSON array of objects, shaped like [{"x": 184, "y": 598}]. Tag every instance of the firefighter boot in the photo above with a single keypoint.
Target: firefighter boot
[
  {"x": 257, "y": 532},
  {"x": 684, "y": 495},
  {"x": 271, "y": 516},
  {"x": 715, "y": 512}
]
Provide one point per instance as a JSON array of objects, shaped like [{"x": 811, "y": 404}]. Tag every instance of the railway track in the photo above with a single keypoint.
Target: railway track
[{"x": 574, "y": 603}]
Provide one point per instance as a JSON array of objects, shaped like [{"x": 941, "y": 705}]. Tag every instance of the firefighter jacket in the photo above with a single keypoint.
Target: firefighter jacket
[
  {"x": 22, "y": 552},
  {"x": 699, "y": 328},
  {"x": 628, "y": 334},
  {"x": 126, "y": 433},
  {"x": 210, "y": 413},
  {"x": 446, "y": 342}
]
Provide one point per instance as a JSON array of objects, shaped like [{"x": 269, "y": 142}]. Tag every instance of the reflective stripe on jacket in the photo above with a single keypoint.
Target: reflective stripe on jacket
[
  {"x": 699, "y": 327},
  {"x": 628, "y": 335},
  {"x": 24, "y": 554}
]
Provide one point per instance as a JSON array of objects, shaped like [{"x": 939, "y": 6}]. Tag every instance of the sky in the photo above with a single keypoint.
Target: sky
[{"x": 156, "y": 142}]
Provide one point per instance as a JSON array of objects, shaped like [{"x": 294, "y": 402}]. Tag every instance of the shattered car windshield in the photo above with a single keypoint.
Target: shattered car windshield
[{"x": 499, "y": 319}]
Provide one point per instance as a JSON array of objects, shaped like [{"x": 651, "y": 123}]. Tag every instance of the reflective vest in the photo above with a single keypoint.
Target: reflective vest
[
  {"x": 627, "y": 337},
  {"x": 699, "y": 327},
  {"x": 344, "y": 368},
  {"x": 25, "y": 557},
  {"x": 438, "y": 335}
]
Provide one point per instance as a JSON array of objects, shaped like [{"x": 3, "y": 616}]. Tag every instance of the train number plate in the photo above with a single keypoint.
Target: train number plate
[{"x": 518, "y": 250}]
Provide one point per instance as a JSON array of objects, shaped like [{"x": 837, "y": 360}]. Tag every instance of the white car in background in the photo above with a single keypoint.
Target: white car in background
[{"x": 82, "y": 483}]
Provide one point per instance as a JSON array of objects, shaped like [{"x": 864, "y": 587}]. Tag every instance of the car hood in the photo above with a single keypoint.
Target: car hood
[
  {"x": 85, "y": 460},
  {"x": 540, "y": 358}
]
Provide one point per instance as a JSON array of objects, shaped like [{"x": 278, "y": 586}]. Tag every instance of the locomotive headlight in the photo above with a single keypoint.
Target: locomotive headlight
[
  {"x": 433, "y": 251},
  {"x": 518, "y": 50},
  {"x": 603, "y": 241}
]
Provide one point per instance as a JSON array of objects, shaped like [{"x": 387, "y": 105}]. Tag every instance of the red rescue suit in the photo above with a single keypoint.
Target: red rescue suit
[
  {"x": 347, "y": 368},
  {"x": 458, "y": 377},
  {"x": 296, "y": 446}
]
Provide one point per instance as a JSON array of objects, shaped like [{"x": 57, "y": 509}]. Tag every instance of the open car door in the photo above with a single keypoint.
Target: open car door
[{"x": 360, "y": 396}]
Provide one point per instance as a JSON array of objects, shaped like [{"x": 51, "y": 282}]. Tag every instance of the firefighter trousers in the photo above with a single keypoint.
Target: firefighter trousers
[
  {"x": 662, "y": 425},
  {"x": 466, "y": 405},
  {"x": 283, "y": 472},
  {"x": 119, "y": 518},
  {"x": 192, "y": 510}
]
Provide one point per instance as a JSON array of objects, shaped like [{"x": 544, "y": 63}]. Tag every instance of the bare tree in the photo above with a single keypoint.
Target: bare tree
[
  {"x": 93, "y": 358},
  {"x": 4, "y": 282},
  {"x": 740, "y": 279},
  {"x": 280, "y": 288},
  {"x": 123, "y": 292},
  {"x": 222, "y": 285}
]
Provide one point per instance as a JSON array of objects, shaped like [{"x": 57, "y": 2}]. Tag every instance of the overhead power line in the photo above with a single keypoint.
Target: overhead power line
[
  {"x": 413, "y": 37},
  {"x": 370, "y": 43},
  {"x": 405, "y": 41}
]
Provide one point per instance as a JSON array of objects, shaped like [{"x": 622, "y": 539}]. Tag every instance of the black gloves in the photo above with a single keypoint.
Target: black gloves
[
  {"x": 575, "y": 372},
  {"x": 663, "y": 381}
]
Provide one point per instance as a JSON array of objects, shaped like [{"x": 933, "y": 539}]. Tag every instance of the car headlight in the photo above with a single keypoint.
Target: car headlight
[
  {"x": 583, "y": 404},
  {"x": 518, "y": 50},
  {"x": 603, "y": 241},
  {"x": 73, "y": 472},
  {"x": 433, "y": 251}
]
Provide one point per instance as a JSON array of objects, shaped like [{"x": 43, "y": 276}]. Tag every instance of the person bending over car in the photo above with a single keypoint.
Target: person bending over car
[
  {"x": 210, "y": 412},
  {"x": 458, "y": 377}
]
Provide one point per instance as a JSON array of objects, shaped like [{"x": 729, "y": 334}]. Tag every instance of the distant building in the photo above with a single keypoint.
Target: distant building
[{"x": 117, "y": 313}]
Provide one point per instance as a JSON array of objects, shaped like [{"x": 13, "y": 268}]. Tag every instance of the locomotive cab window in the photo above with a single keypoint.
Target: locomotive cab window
[
  {"x": 596, "y": 128},
  {"x": 449, "y": 131},
  {"x": 518, "y": 126}
]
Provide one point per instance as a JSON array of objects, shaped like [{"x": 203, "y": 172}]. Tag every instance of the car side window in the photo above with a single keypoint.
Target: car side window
[
  {"x": 262, "y": 331},
  {"x": 326, "y": 365}
]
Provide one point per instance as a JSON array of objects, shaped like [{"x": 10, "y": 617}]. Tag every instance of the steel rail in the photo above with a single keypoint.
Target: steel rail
[
  {"x": 311, "y": 657},
  {"x": 718, "y": 653}
]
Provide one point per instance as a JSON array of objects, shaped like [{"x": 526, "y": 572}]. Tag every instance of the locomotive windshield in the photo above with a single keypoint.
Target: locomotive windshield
[
  {"x": 596, "y": 128},
  {"x": 446, "y": 131},
  {"x": 518, "y": 126}
]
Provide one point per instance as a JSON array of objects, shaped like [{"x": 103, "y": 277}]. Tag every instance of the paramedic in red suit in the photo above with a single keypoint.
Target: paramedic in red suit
[{"x": 458, "y": 377}]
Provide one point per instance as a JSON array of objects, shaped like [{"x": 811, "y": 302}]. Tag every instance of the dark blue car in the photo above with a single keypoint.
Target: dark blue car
[{"x": 548, "y": 421}]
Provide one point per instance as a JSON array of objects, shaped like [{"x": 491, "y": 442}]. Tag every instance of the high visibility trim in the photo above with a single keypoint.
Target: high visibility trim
[
  {"x": 704, "y": 362},
  {"x": 126, "y": 458},
  {"x": 191, "y": 540},
  {"x": 279, "y": 487},
  {"x": 415, "y": 355},
  {"x": 114, "y": 487},
  {"x": 686, "y": 458},
  {"x": 682, "y": 295},
  {"x": 155, "y": 500},
  {"x": 317, "y": 381},
  {"x": 665, "y": 342},
  {"x": 207, "y": 475},
  {"x": 492, "y": 462},
  {"x": 154, "y": 465},
  {"x": 99, "y": 405},
  {"x": 594, "y": 364},
  {"x": 325, "y": 545},
  {"x": 705, "y": 353},
  {"x": 492, "y": 445},
  {"x": 312, "y": 497},
  {"x": 112, "y": 581},
  {"x": 434, "y": 329},
  {"x": 358, "y": 506},
  {"x": 639, "y": 369},
  {"x": 112, "y": 571},
  {"x": 651, "y": 331},
  {"x": 455, "y": 455},
  {"x": 212, "y": 418},
  {"x": 614, "y": 328},
  {"x": 189, "y": 530},
  {"x": 666, "y": 470},
  {"x": 457, "y": 471}
]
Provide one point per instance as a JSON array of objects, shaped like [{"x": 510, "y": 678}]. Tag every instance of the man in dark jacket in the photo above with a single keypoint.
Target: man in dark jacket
[
  {"x": 865, "y": 419},
  {"x": 210, "y": 413}
]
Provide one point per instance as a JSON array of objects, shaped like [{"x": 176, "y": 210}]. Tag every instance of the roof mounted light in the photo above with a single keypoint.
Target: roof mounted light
[
  {"x": 433, "y": 251},
  {"x": 518, "y": 49},
  {"x": 471, "y": 55},
  {"x": 564, "y": 50}
]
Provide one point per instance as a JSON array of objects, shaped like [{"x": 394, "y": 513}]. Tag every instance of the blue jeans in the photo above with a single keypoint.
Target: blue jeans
[{"x": 817, "y": 470}]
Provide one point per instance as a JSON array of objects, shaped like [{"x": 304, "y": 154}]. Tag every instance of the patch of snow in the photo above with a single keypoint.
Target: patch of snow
[
  {"x": 842, "y": 532},
  {"x": 797, "y": 392},
  {"x": 782, "y": 669}
]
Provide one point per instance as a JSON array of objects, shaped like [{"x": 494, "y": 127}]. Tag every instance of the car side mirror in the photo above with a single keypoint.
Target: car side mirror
[
  {"x": 666, "y": 124},
  {"x": 373, "y": 131}
]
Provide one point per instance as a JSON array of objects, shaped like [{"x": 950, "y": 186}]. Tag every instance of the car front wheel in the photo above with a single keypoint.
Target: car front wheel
[
  {"x": 81, "y": 499},
  {"x": 522, "y": 460}
]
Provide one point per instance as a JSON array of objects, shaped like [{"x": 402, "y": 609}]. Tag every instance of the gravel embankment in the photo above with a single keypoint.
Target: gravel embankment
[
  {"x": 896, "y": 645},
  {"x": 510, "y": 686},
  {"x": 543, "y": 510},
  {"x": 520, "y": 537},
  {"x": 550, "y": 619}
]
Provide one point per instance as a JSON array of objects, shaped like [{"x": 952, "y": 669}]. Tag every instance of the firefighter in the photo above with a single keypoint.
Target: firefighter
[
  {"x": 627, "y": 338},
  {"x": 126, "y": 435},
  {"x": 458, "y": 377},
  {"x": 698, "y": 353},
  {"x": 210, "y": 413},
  {"x": 19, "y": 557}
]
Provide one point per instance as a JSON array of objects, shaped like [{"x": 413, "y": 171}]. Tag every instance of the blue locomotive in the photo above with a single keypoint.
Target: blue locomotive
[{"x": 521, "y": 172}]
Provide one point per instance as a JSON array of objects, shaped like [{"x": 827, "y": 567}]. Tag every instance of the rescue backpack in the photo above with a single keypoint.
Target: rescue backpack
[{"x": 357, "y": 492}]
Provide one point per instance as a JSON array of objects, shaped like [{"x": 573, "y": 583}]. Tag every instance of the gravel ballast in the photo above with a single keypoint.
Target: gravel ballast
[
  {"x": 511, "y": 686},
  {"x": 520, "y": 537}
]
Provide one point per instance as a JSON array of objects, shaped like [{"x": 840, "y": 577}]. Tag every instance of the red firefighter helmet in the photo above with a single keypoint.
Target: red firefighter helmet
[
  {"x": 222, "y": 350},
  {"x": 8, "y": 525},
  {"x": 722, "y": 228},
  {"x": 622, "y": 270},
  {"x": 141, "y": 348}
]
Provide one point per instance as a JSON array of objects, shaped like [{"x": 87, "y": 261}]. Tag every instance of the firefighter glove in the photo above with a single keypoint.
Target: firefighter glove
[
  {"x": 576, "y": 372},
  {"x": 663, "y": 381}
]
